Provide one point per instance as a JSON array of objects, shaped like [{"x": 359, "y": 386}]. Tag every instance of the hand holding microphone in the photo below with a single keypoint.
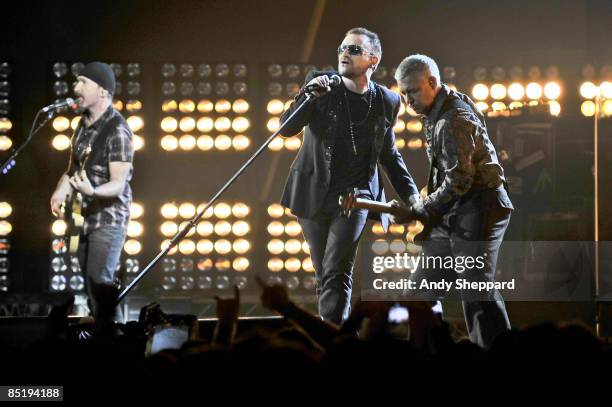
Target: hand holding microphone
[{"x": 321, "y": 85}]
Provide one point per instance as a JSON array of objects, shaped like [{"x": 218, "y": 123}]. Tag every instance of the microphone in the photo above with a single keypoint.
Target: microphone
[
  {"x": 334, "y": 80},
  {"x": 58, "y": 105}
]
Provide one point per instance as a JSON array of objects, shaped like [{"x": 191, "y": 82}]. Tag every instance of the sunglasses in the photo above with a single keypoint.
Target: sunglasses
[{"x": 353, "y": 50}]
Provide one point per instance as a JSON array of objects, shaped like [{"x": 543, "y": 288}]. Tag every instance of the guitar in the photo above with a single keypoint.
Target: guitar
[
  {"x": 351, "y": 200},
  {"x": 72, "y": 209}
]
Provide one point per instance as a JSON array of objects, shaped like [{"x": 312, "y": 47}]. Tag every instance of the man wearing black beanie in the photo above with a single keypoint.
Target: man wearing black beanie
[{"x": 103, "y": 182}]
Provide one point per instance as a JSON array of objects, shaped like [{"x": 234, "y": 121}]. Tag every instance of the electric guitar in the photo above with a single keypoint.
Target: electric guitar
[
  {"x": 351, "y": 200},
  {"x": 72, "y": 209}
]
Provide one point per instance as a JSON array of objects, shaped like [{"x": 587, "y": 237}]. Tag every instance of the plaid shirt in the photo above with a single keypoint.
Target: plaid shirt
[{"x": 117, "y": 147}]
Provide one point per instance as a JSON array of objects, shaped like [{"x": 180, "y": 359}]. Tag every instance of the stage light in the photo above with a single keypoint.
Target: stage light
[
  {"x": 498, "y": 91},
  {"x": 205, "y": 264},
  {"x": 118, "y": 104},
  {"x": 204, "y": 282},
  {"x": 222, "y": 282},
  {"x": 205, "y": 247},
  {"x": 400, "y": 143},
  {"x": 61, "y": 124},
  {"x": 5, "y": 143},
  {"x": 204, "y": 88},
  {"x": 273, "y": 124},
  {"x": 223, "y": 246},
  {"x": 240, "y": 106},
  {"x": 241, "y": 246},
  {"x": 209, "y": 212},
  {"x": 133, "y": 106},
  {"x": 223, "y": 106},
  {"x": 606, "y": 89},
  {"x": 187, "y": 142},
  {"x": 165, "y": 244},
  {"x": 414, "y": 126},
  {"x": 223, "y": 228},
  {"x": 138, "y": 142},
  {"x": 498, "y": 106},
  {"x": 132, "y": 247},
  {"x": 61, "y": 142},
  {"x": 275, "y": 264},
  {"x": 240, "y": 124},
  {"x": 5, "y": 228},
  {"x": 223, "y": 124},
  {"x": 187, "y": 124},
  {"x": 187, "y": 247},
  {"x": 240, "y": 228},
  {"x": 59, "y": 227},
  {"x": 241, "y": 142},
  {"x": 276, "y": 246},
  {"x": 75, "y": 122},
  {"x": 169, "y": 143},
  {"x": 275, "y": 106},
  {"x": 555, "y": 108},
  {"x": 482, "y": 106},
  {"x": 276, "y": 211},
  {"x": 222, "y": 210},
  {"x": 169, "y": 124},
  {"x": 187, "y": 106},
  {"x": 186, "y": 265},
  {"x": 134, "y": 229},
  {"x": 205, "y": 228},
  {"x": 307, "y": 265},
  {"x": 205, "y": 106},
  {"x": 5, "y": 209},
  {"x": 205, "y": 143},
  {"x": 397, "y": 246},
  {"x": 607, "y": 108},
  {"x": 480, "y": 91},
  {"x": 277, "y": 144},
  {"x": 205, "y": 124},
  {"x": 293, "y": 228},
  {"x": 169, "y": 106},
  {"x": 588, "y": 90},
  {"x": 400, "y": 126},
  {"x": 240, "y": 264},
  {"x": 534, "y": 91},
  {"x": 135, "y": 123},
  {"x": 223, "y": 142},
  {"x": 587, "y": 108},
  {"x": 415, "y": 143},
  {"x": 293, "y": 246},
  {"x": 276, "y": 228},
  {"x": 169, "y": 211},
  {"x": 396, "y": 229},
  {"x": 552, "y": 90},
  {"x": 58, "y": 283},
  {"x": 516, "y": 91},
  {"x": 515, "y": 105},
  {"x": 293, "y": 143},
  {"x": 187, "y": 210},
  {"x": 240, "y": 210},
  {"x": 380, "y": 247},
  {"x": 293, "y": 264}
]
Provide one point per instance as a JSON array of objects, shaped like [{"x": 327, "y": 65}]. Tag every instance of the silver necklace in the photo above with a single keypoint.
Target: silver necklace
[{"x": 350, "y": 120}]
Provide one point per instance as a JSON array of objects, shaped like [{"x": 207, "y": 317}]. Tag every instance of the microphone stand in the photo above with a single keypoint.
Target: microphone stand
[
  {"x": 9, "y": 163},
  {"x": 196, "y": 219}
]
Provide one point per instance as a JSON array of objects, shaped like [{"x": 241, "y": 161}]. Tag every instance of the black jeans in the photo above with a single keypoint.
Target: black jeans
[
  {"x": 333, "y": 241},
  {"x": 475, "y": 229}
]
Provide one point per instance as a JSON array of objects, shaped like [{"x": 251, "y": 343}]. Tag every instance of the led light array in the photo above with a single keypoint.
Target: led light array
[
  {"x": 290, "y": 261},
  {"x": 204, "y": 107},
  {"x": 214, "y": 255},
  {"x": 6, "y": 125},
  {"x": 5, "y": 245},
  {"x": 596, "y": 91}
]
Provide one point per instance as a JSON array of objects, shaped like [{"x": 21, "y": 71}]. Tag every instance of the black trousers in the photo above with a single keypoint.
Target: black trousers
[
  {"x": 475, "y": 229},
  {"x": 333, "y": 241}
]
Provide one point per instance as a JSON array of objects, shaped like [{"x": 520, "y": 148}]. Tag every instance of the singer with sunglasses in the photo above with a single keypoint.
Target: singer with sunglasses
[
  {"x": 102, "y": 148},
  {"x": 348, "y": 132}
]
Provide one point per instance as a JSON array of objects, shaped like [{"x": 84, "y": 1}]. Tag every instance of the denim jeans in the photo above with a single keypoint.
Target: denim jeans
[
  {"x": 333, "y": 241},
  {"x": 98, "y": 255}
]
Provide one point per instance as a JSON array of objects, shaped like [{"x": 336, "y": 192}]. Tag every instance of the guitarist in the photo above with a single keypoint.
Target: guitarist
[
  {"x": 467, "y": 209},
  {"x": 104, "y": 182},
  {"x": 349, "y": 131}
]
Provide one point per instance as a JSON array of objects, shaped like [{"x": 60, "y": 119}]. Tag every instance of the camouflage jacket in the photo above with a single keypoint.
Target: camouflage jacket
[{"x": 462, "y": 157}]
